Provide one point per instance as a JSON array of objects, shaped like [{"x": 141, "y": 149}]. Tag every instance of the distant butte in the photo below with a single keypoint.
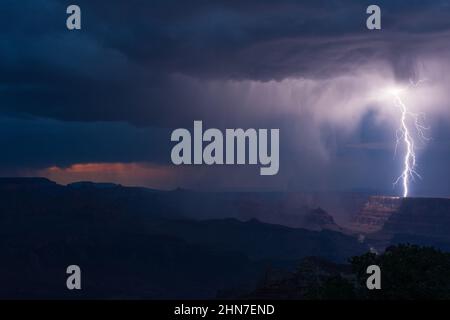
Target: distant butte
[{"x": 384, "y": 221}]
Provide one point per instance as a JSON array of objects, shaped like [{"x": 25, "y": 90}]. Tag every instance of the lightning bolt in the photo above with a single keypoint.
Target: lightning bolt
[{"x": 404, "y": 134}]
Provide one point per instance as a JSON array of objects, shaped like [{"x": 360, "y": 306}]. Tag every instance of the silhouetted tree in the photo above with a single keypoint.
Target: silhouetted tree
[{"x": 407, "y": 272}]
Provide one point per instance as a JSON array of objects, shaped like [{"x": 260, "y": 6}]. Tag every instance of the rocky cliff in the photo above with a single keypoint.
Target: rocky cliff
[
  {"x": 429, "y": 217},
  {"x": 374, "y": 214},
  {"x": 387, "y": 221}
]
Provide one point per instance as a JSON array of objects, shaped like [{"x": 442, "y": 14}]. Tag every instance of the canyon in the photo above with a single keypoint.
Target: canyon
[{"x": 194, "y": 243}]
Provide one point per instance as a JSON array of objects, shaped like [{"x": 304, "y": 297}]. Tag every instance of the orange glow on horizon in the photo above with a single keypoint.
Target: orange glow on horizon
[{"x": 130, "y": 174}]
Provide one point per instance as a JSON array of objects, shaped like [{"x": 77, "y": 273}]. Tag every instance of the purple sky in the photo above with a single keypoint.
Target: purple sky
[{"x": 100, "y": 103}]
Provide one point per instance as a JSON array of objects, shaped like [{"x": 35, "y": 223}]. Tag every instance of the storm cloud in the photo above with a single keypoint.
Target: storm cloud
[{"x": 140, "y": 68}]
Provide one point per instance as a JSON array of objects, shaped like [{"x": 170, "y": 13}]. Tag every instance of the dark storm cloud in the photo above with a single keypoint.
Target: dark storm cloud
[
  {"x": 120, "y": 66},
  {"x": 307, "y": 67},
  {"x": 36, "y": 143}
]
